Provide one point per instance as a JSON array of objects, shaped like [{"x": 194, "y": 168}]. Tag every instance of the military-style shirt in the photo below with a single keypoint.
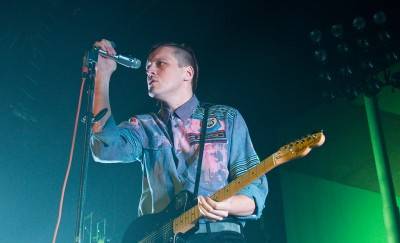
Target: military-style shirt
[{"x": 167, "y": 146}]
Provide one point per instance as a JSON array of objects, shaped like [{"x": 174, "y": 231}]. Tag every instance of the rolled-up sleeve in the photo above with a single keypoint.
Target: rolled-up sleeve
[
  {"x": 242, "y": 158},
  {"x": 116, "y": 144}
]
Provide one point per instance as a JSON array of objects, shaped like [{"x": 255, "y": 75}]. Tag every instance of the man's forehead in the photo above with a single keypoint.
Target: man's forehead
[{"x": 165, "y": 52}]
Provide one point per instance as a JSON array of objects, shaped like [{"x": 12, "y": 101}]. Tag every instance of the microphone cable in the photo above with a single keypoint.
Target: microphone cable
[{"x": 71, "y": 154}]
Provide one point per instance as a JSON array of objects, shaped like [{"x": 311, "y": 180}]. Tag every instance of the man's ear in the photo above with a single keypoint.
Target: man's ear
[{"x": 188, "y": 73}]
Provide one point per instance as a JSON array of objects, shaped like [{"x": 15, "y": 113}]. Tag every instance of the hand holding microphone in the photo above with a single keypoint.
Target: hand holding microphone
[
  {"x": 120, "y": 59},
  {"x": 106, "y": 52}
]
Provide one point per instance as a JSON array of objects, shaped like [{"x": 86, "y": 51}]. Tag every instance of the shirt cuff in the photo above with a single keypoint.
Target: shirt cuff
[
  {"x": 258, "y": 191},
  {"x": 107, "y": 133}
]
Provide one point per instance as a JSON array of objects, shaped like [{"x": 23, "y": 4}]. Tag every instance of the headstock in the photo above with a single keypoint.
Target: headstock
[{"x": 298, "y": 148}]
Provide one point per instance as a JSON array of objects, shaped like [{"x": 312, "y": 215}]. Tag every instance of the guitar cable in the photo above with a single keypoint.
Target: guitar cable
[{"x": 71, "y": 154}]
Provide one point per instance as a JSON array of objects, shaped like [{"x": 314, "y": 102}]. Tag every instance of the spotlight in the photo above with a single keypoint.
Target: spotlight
[
  {"x": 316, "y": 36},
  {"x": 320, "y": 55},
  {"x": 337, "y": 31},
  {"x": 363, "y": 43},
  {"x": 325, "y": 76},
  {"x": 373, "y": 87},
  {"x": 359, "y": 23},
  {"x": 379, "y": 18},
  {"x": 367, "y": 65},
  {"x": 351, "y": 93},
  {"x": 343, "y": 48},
  {"x": 392, "y": 57},
  {"x": 364, "y": 49},
  {"x": 346, "y": 72},
  {"x": 384, "y": 36},
  {"x": 329, "y": 95}
]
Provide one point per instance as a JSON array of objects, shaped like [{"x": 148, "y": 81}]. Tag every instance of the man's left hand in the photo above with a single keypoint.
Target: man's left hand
[
  {"x": 212, "y": 209},
  {"x": 238, "y": 205}
]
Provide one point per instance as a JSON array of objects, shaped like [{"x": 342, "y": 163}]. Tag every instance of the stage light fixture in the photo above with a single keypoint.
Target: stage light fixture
[
  {"x": 367, "y": 65},
  {"x": 320, "y": 55},
  {"x": 379, "y": 18},
  {"x": 384, "y": 36},
  {"x": 325, "y": 76},
  {"x": 373, "y": 87},
  {"x": 362, "y": 51},
  {"x": 363, "y": 43},
  {"x": 392, "y": 57},
  {"x": 359, "y": 23},
  {"x": 351, "y": 93},
  {"x": 337, "y": 31},
  {"x": 316, "y": 36},
  {"x": 329, "y": 95},
  {"x": 343, "y": 48},
  {"x": 346, "y": 72}
]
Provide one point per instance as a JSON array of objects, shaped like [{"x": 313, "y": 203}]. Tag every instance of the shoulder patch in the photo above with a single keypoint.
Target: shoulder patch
[{"x": 134, "y": 121}]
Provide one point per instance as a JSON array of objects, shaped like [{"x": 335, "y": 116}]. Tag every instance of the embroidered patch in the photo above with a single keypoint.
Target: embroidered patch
[
  {"x": 215, "y": 131},
  {"x": 215, "y": 137},
  {"x": 213, "y": 125},
  {"x": 211, "y": 122},
  {"x": 134, "y": 121}
]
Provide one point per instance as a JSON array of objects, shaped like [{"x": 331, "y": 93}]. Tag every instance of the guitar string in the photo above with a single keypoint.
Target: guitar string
[
  {"x": 155, "y": 235},
  {"x": 163, "y": 231},
  {"x": 164, "y": 228}
]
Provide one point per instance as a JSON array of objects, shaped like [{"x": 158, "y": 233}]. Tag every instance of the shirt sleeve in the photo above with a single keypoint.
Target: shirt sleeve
[
  {"x": 117, "y": 144},
  {"x": 242, "y": 158}
]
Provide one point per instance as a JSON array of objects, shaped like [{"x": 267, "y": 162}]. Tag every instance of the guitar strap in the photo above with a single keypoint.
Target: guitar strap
[{"x": 202, "y": 141}]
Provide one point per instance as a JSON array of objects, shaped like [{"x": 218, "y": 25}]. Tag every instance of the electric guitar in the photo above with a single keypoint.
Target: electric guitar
[{"x": 181, "y": 216}]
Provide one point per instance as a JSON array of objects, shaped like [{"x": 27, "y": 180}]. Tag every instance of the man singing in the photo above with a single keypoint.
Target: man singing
[{"x": 167, "y": 143}]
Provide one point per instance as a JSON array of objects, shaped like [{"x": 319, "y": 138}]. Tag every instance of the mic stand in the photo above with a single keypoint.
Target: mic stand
[{"x": 88, "y": 74}]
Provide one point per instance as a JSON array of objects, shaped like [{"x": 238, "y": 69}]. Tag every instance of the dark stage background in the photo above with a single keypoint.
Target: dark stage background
[{"x": 253, "y": 55}]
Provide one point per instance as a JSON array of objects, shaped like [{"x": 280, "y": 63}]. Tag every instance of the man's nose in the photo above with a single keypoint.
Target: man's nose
[{"x": 150, "y": 72}]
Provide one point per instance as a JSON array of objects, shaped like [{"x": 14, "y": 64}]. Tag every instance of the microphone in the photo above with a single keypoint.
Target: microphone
[{"x": 120, "y": 59}]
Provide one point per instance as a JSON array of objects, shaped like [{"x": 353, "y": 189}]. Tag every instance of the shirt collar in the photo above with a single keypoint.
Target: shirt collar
[{"x": 184, "y": 111}]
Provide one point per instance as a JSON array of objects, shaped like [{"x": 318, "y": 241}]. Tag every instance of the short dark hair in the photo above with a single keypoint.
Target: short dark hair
[{"x": 185, "y": 56}]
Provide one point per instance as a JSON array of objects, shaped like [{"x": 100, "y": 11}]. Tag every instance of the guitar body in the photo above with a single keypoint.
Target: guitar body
[
  {"x": 158, "y": 227},
  {"x": 181, "y": 216}
]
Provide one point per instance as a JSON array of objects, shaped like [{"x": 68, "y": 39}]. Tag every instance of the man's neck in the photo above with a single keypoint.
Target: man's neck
[{"x": 173, "y": 102}]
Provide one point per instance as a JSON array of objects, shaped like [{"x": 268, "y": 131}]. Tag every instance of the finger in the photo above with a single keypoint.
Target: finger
[
  {"x": 105, "y": 45},
  {"x": 208, "y": 214},
  {"x": 110, "y": 47},
  {"x": 213, "y": 204},
  {"x": 209, "y": 208},
  {"x": 110, "y": 50},
  {"x": 204, "y": 203},
  {"x": 101, "y": 44}
]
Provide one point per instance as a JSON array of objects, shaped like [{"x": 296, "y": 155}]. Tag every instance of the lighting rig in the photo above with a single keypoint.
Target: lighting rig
[{"x": 361, "y": 60}]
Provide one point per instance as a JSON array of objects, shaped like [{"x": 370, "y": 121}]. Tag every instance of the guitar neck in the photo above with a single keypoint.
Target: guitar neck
[
  {"x": 296, "y": 149},
  {"x": 187, "y": 220},
  {"x": 245, "y": 179}
]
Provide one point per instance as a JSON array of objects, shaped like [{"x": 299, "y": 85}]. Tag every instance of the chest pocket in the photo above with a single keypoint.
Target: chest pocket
[{"x": 215, "y": 131}]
